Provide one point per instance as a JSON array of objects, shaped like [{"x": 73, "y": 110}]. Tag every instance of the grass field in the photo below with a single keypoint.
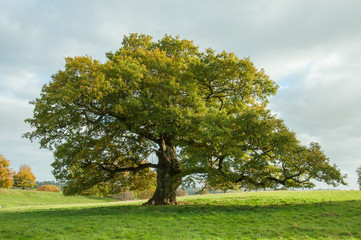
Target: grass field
[
  {"x": 10, "y": 198},
  {"x": 251, "y": 215}
]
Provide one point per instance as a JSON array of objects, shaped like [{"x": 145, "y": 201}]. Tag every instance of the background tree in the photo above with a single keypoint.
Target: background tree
[
  {"x": 24, "y": 178},
  {"x": 358, "y": 171},
  {"x": 198, "y": 112},
  {"x": 6, "y": 174}
]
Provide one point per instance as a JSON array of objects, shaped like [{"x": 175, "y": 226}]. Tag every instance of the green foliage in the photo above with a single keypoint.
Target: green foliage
[
  {"x": 199, "y": 112},
  {"x": 144, "y": 180},
  {"x": 6, "y": 174},
  {"x": 24, "y": 178}
]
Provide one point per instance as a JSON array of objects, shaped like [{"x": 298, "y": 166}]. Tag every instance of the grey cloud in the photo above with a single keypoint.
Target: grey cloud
[
  {"x": 17, "y": 150},
  {"x": 322, "y": 103}
]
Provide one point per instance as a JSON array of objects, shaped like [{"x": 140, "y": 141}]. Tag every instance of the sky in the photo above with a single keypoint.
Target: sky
[{"x": 311, "y": 49}]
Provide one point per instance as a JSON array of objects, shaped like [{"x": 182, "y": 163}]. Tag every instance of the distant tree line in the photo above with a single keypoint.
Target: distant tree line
[
  {"x": 55, "y": 183},
  {"x": 358, "y": 171}
]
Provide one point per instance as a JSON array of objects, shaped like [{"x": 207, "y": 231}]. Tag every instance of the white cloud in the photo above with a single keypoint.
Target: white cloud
[{"x": 322, "y": 101}]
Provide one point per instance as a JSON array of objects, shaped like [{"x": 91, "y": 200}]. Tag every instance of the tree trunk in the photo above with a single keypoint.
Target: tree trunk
[{"x": 167, "y": 181}]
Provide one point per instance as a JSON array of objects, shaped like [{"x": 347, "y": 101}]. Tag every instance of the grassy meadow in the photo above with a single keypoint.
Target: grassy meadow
[
  {"x": 10, "y": 198},
  {"x": 250, "y": 215}
]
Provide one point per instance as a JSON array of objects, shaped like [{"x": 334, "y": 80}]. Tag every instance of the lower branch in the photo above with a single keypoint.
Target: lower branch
[{"x": 127, "y": 169}]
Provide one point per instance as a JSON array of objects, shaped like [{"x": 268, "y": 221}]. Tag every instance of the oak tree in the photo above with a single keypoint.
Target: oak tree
[
  {"x": 6, "y": 174},
  {"x": 199, "y": 112},
  {"x": 25, "y": 178}
]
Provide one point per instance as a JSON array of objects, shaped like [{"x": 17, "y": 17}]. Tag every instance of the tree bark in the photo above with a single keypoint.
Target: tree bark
[{"x": 167, "y": 180}]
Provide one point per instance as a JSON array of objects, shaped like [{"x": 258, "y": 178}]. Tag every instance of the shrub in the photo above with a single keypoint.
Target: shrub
[
  {"x": 181, "y": 192},
  {"x": 48, "y": 188},
  {"x": 124, "y": 196},
  {"x": 146, "y": 194},
  {"x": 203, "y": 191}
]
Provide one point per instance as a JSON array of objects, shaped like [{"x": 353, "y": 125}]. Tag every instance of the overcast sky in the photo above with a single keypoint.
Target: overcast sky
[{"x": 312, "y": 49}]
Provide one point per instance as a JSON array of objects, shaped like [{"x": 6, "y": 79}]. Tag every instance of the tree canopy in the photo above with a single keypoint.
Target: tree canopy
[
  {"x": 25, "y": 178},
  {"x": 202, "y": 113},
  {"x": 6, "y": 174}
]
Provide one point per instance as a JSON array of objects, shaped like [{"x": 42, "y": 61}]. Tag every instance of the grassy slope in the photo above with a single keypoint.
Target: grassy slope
[
  {"x": 267, "y": 215},
  {"x": 10, "y": 198}
]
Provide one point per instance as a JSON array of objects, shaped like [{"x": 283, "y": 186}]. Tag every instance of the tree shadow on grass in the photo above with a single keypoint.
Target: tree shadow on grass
[{"x": 331, "y": 219}]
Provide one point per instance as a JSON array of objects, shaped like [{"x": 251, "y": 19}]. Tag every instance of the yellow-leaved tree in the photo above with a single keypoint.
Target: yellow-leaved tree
[
  {"x": 24, "y": 178},
  {"x": 6, "y": 173}
]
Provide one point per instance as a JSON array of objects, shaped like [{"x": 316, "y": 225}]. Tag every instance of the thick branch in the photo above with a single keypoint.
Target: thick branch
[
  {"x": 220, "y": 163},
  {"x": 280, "y": 181},
  {"x": 191, "y": 171},
  {"x": 128, "y": 169}
]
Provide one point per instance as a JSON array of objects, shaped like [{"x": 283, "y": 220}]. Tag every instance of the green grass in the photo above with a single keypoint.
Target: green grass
[
  {"x": 256, "y": 215},
  {"x": 11, "y": 198}
]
